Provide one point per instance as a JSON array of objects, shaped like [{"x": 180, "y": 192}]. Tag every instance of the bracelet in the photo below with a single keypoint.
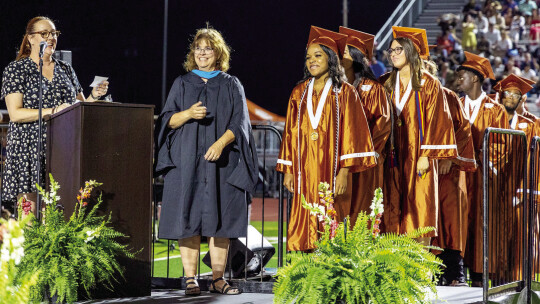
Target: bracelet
[{"x": 92, "y": 95}]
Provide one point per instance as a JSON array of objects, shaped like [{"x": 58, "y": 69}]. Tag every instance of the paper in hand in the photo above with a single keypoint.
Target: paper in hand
[{"x": 98, "y": 80}]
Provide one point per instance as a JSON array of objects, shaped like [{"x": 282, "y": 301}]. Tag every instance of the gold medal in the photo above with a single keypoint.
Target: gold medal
[
  {"x": 399, "y": 123},
  {"x": 314, "y": 136}
]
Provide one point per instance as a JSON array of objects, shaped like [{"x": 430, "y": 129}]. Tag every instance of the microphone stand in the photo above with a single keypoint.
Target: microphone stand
[{"x": 40, "y": 134}]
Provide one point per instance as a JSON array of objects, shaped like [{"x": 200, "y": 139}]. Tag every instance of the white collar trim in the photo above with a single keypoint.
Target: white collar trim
[
  {"x": 514, "y": 121},
  {"x": 473, "y": 105},
  {"x": 314, "y": 119},
  {"x": 400, "y": 102}
]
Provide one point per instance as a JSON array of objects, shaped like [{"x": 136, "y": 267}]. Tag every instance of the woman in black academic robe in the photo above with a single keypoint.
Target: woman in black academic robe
[{"x": 207, "y": 155}]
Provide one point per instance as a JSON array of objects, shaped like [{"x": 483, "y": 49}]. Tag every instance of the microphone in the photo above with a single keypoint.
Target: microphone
[{"x": 42, "y": 47}]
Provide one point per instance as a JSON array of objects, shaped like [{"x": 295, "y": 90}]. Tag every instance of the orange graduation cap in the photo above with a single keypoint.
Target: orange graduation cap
[
  {"x": 513, "y": 81},
  {"x": 416, "y": 35},
  {"x": 360, "y": 40},
  {"x": 531, "y": 82},
  {"x": 335, "y": 41},
  {"x": 479, "y": 64}
]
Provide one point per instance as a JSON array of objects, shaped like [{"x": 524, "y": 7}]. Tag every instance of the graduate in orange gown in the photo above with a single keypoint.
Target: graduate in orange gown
[
  {"x": 482, "y": 112},
  {"x": 326, "y": 135},
  {"x": 453, "y": 211},
  {"x": 422, "y": 130},
  {"x": 510, "y": 250},
  {"x": 356, "y": 59},
  {"x": 534, "y": 185}
]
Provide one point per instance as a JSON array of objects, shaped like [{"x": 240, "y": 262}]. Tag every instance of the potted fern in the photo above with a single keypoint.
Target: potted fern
[
  {"x": 72, "y": 255},
  {"x": 359, "y": 265}
]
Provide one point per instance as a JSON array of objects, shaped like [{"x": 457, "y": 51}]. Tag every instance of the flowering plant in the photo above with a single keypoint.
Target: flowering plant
[
  {"x": 13, "y": 290},
  {"x": 359, "y": 265},
  {"x": 325, "y": 211},
  {"x": 71, "y": 255}
]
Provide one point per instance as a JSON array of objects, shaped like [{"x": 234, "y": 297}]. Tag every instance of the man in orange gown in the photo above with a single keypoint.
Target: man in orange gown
[
  {"x": 377, "y": 110},
  {"x": 482, "y": 112},
  {"x": 509, "y": 249},
  {"x": 342, "y": 141},
  {"x": 454, "y": 206},
  {"x": 422, "y": 127}
]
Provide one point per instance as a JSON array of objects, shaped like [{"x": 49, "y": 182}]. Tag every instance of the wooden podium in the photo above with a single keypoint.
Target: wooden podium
[{"x": 112, "y": 144}]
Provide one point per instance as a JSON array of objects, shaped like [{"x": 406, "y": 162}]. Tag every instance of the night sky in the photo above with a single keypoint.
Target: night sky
[{"x": 123, "y": 39}]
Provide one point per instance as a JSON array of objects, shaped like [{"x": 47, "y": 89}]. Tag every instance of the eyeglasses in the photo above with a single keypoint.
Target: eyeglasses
[
  {"x": 206, "y": 50},
  {"x": 46, "y": 34},
  {"x": 397, "y": 49},
  {"x": 511, "y": 95}
]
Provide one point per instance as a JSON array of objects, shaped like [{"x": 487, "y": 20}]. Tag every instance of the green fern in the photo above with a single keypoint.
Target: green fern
[
  {"x": 360, "y": 268},
  {"x": 77, "y": 254}
]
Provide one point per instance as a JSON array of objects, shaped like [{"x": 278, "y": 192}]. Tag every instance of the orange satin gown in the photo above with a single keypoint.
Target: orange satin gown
[
  {"x": 453, "y": 211},
  {"x": 490, "y": 114},
  {"x": 377, "y": 110},
  {"x": 313, "y": 161},
  {"x": 418, "y": 196}
]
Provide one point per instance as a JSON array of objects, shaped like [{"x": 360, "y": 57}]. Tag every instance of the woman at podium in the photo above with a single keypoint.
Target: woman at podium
[
  {"x": 20, "y": 86},
  {"x": 207, "y": 155}
]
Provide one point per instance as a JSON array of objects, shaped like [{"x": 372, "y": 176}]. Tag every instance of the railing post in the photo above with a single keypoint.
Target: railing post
[{"x": 485, "y": 264}]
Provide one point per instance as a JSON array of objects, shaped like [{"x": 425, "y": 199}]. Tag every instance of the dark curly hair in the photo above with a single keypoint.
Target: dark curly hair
[
  {"x": 336, "y": 71},
  {"x": 361, "y": 70}
]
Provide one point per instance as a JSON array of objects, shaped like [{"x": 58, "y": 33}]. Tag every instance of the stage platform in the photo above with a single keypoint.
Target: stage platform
[{"x": 448, "y": 295}]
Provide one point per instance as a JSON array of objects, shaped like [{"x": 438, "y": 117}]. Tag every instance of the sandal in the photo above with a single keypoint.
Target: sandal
[
  {"x": 192, "y": 287},
  {"x": 225, "y": 289}
]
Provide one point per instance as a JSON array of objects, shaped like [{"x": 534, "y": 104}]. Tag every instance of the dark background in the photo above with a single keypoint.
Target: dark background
[{"x": 124, "y": 39}]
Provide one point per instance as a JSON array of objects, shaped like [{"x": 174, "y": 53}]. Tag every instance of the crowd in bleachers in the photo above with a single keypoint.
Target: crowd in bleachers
[{"x": 507, "y": 32}]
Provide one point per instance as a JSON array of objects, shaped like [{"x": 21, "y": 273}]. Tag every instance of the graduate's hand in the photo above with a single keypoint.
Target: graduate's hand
[
  {"x": 214, "y": 152},
  {"x": 444, "y": 166},
  {"x": 288, "y": 182},
  {"x": 422, "y": 165},
  {"x": 197, "y": 111},
  {"x": 341, "y": 181}
]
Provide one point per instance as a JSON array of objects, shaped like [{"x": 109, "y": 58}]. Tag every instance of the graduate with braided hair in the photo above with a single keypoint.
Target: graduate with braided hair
[{"x": 326, "y": 135}]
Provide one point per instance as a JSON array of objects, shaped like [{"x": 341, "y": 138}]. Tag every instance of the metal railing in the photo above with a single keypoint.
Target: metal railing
[
  {"x": 504, "y": 210},
  {"x": 532, "y": 274},
  {"x": 404, "y": 15}
]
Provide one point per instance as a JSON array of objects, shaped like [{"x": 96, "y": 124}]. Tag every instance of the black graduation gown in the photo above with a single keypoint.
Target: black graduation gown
[{"x": 202, "y": 197}]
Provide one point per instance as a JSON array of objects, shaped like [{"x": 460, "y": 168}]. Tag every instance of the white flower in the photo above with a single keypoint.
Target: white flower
[{"x": 90, "y": 235}]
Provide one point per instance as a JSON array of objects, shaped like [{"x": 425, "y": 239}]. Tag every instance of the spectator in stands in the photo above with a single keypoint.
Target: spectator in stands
[
  {"x": 527, "y": 59},
  {"x": 493, "y": 35},
  {"x": 511, "y": 68},
  {"x": 498, "y": 68},
  {"x": 517, "y": 26},
  {"x": 448, "y": 21},
  {"x": 509, "y": 6},
  {"x": 508, "y": 18},
  {"x": 471, "y": 7},
  {"x": 483, "y": 47},
  {"x": 526, "y": 7},
  {"x": 503, "y": 46},
  {"x": 469, "y": 34},
  {"x": 481, "y": 23},
  {"x": 534, "y": 34},
  {"x": 494, "y": 16},
  {"x": 529, "y": 73},
  {"x": 444, "y": 44},
  {"x": 377, "y": 67}
]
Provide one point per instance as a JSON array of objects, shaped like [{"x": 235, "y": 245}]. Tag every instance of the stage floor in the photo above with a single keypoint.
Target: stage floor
[{"x": 448, "y": 295}]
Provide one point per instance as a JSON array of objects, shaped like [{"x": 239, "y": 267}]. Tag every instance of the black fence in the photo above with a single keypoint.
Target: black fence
[
  {"x": 532, "y": 282},
  {"x": 510, "y": 228}
]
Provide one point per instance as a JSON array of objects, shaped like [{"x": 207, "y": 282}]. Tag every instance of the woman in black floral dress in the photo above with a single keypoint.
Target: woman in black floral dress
[{"x": 20, "y": 85}]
